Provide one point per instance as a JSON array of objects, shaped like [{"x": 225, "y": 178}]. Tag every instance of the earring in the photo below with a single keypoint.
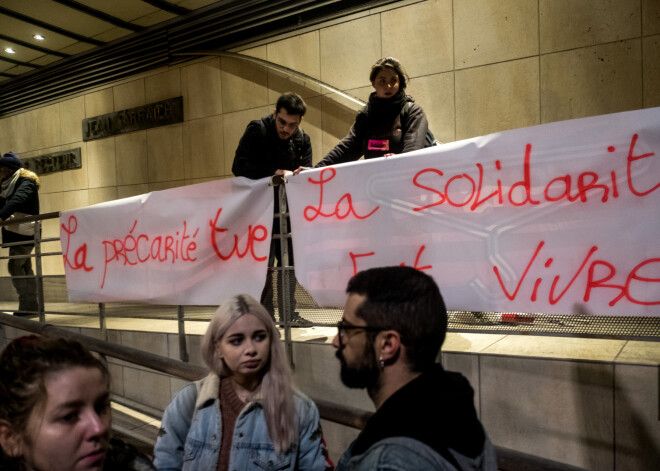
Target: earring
[{"x": 381, "y": 362}]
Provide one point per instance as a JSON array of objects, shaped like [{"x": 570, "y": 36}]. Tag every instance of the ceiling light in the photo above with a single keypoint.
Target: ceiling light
[
  {"x": 9, "y": 50},
  {"x": 38, "y": 37}
]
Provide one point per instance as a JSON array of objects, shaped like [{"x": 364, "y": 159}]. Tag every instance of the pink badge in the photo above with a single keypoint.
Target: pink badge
[{"x": 378, "y": 144}]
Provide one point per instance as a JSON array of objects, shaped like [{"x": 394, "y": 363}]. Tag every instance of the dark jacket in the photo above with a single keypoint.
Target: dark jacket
[
  {"x": 382, "y": 123},
  {"x": 261, "y": 152},
  {"x": 434, "y": 412},
  {"x": 24, "y": 199}
]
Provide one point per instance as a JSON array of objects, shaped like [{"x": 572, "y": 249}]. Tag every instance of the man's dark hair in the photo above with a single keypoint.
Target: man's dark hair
[
  {"x": 408, "y": 301},
  {"x": 292, "y": 103}
]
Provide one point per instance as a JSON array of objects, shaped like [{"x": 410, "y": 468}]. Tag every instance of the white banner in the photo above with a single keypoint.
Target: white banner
[
  {"x": 197, "y": 244},
  {"x": 540, "y": 219}
]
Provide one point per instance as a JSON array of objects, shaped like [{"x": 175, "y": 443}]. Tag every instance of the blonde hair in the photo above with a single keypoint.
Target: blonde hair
[{"x": 275, "y": 393}]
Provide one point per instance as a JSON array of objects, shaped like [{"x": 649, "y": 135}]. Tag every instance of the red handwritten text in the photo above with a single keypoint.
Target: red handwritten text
[
  {"x": 356, "y": 256},
  {"x": 635, "y": 276},
  {"x": 80, "y": 257},
  {"x": 135, "y": 248},
  {"x": 633, "y": 158},
  {"x": 310, "y": 213},
  {"x": 464, "y": 190},
  {"x": 257, "y": 234}
]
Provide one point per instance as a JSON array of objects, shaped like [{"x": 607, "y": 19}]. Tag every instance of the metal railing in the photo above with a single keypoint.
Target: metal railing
[
  {"x": 38, "y": 254},
  {"x": 583, "y": 324},
  {"x": 349, "y": 416},
  {"x": 508, "y": 460}
]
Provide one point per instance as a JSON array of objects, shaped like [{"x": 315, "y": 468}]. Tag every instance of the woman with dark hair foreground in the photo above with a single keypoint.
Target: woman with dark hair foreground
[
  {"x": 55, "y": 410},
  {"x": 245, "y": 414}
]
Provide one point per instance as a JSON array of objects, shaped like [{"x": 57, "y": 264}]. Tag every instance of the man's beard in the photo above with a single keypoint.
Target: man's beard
[{"x": 362, "y": 375}]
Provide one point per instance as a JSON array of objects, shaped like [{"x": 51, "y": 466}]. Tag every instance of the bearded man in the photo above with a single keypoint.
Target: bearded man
[{"x": 387, "y": 342}]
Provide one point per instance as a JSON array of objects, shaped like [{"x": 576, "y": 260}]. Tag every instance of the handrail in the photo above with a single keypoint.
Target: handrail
[
  {"x": 280, "y": 68},
  {"x": 508, "y": 460},
  {"x": 38, "y": 217},
  {"x": 580, "y": 324},
  {"x": 169, "y": 366},
  {"x": 343, "y": 415}
]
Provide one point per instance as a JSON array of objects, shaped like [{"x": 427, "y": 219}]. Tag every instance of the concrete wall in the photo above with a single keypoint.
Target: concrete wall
[{"x": 477, "y": 66}]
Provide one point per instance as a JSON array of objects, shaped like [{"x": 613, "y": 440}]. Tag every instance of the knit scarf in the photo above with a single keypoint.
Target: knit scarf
[
  {"x": 6, "y": 190},
  {"x": 385, "y": 109},
  {"x": 7, "y": 186}
]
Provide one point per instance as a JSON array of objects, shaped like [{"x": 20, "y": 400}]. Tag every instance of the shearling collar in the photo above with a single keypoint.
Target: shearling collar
[{"x": 208, "y": 389}]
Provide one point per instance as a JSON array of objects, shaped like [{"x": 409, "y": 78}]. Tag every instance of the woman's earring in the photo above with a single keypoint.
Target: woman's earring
[{"x": 381, "y": 362}]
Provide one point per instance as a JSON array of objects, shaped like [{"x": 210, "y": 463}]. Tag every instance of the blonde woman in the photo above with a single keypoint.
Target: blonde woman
[{"x": 245, "y": 414}]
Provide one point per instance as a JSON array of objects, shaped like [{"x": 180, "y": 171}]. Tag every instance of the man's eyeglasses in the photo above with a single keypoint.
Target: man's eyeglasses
[{"x": 343, "y": 327}]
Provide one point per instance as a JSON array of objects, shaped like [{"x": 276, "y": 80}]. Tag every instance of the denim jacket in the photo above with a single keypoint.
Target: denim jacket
[
  {"x": 190, "y": 434},
  {"x": 403, "y": 454}
]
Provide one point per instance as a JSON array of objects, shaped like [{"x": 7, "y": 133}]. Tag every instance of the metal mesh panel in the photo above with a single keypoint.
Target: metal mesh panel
[
  {"x": 574, "y": 325},
  {"x": 304, "y": 311},
  {"x": 577, "y": 325},
  {"x": 304, "y": 308}
]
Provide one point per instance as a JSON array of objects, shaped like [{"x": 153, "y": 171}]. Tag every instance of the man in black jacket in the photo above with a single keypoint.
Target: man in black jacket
[
  {"x": 387, "y": 342},
  {"x": 274, "y": 146},
  {"x": 19, "y": 197}
]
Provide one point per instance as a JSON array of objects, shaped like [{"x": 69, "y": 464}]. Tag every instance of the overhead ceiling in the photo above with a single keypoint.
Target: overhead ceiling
[
  {"x": 71, "y": 27},
  {"x": 90, "y": 42}
]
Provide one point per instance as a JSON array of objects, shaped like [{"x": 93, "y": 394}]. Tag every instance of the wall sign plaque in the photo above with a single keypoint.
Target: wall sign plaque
[
  {"x": 55, "y": 162},
  {"x": 149, "y": 116}
]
